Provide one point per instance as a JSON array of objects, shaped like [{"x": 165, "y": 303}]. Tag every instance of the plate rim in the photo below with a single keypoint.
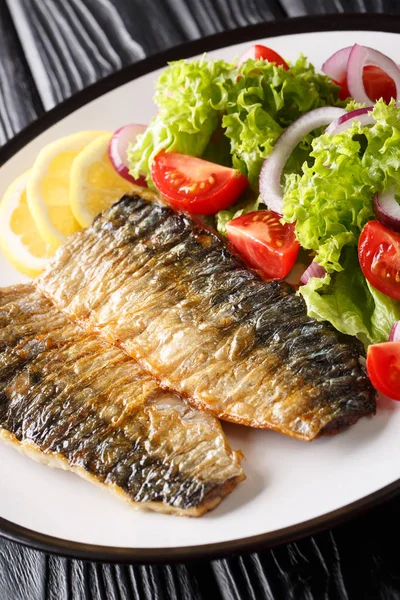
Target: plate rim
[{"x": 288, "y": 26}]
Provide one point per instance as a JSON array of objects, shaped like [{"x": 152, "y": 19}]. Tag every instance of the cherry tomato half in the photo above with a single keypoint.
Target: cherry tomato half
[
  {"x": 383, "y": 366},
  {"x": 376, "y": 82},
  {"x": 260, "y": 52},
  {"x": 264, "y": 243},
  {"x": 379, "y": 256},
  {"x": 195, "y": 185},
  {"x": 344, "y": 90}
]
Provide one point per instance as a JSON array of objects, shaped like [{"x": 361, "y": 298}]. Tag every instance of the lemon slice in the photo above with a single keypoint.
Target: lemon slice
[
  {"x": 19, "y": 237},
  {"x": 48, "y": 187},
  {"x": 94, "y": 184}
]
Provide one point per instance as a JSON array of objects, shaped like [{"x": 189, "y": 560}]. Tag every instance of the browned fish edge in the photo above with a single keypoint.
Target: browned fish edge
[
  {"x": 331, "y": 429},
  {"x": 53, "y": 460}
]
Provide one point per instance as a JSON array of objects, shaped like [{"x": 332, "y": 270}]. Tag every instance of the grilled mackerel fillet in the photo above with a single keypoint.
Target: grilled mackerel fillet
[
  {"x": 174, "y": 297},
  {"x": 71, "y": 400}
]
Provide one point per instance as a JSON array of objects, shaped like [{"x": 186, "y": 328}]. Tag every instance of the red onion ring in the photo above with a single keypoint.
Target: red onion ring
[
  {"x": 117, "y": 151},
  {"x": 387, "y": 209},
  {"x": 394, "y": 335},
  {"x": 270, "y": 175},
  {"x": 314, "y": 270},
  {"x": 336, "y": 65},
  {"x": 345, "y": 121},
  {"x": 360, "y": 57}
]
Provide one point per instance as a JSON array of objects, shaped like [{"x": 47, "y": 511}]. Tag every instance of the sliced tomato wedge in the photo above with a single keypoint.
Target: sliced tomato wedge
[
  {"x": 376, "y": 82},
  {"x": 260, "y": 52},
  {"x": 383, "y": 366},
  {"x": 379, "y": 256},
  {"x": 344, "y": 90},
  {"x": 264, "y": 243},
  {"x": 195, "y": 185}
]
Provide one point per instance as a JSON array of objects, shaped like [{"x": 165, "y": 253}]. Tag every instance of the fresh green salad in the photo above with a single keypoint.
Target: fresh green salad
[
  {"x": 299, "y": 169},
  {"x": 250, "y": 106},
  {"x": 330, "y": 202}
]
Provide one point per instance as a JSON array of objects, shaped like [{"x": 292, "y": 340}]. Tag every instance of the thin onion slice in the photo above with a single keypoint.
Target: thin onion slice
[
  {"x": 314, "y": 270},
  {"x": 118, "y": 147},
  {"x": 336, "y": 65},
  {"x": 270, "y": 176},
  {"x": 394, "y": 335},
  {"x": 345, "y": 121},
  {"x": 387, "y": 209},
  {"x": 360, "y": 57}
]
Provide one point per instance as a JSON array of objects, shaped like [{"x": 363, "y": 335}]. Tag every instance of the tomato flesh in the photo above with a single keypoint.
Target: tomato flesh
[
  {"x": 383, "y": 366},
  {"x": 379, "y": 256},
  {"x": 344, "y": 90},
  {"x": 260, "y": 52},
  {"x": 264, "y": 243},
  {"x": 376, "y": 82},
  {"x": 195, "y": 185}
]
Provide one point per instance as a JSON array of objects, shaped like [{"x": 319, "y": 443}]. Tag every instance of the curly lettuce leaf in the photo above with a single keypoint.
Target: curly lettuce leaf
[
  {"x": 350, "y": 303},
  {"x": 262, "y": 102},
  {"x": 332, "y": 200},
  {"x": 253, "y": 103},
  {"x": 190, "y": 96}
]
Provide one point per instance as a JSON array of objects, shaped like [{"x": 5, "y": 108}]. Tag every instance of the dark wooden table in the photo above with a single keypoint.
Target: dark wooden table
[{"x": 49, "y": 49}]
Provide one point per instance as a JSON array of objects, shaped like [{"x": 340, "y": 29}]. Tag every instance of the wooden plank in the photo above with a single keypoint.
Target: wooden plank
[
  {"x": 297, "y": 8},
  {"x": 19, "y": 100},
  {"x": 22, "y": 573},
  {"x": 354, "y": 560},
  {"x": 71, "y": 44}
]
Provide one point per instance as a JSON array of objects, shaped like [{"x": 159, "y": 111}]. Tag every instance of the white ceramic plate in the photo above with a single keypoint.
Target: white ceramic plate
[{"x": 292, "y": 487}]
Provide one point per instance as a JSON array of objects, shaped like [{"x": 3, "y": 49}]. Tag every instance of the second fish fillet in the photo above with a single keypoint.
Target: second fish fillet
[{"x": 70, "y": 400}]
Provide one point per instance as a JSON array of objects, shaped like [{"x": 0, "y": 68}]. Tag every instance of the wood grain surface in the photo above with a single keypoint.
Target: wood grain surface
[
  {"x": 19, "y": 100},
  {"x": 49, "y": 49},
  {"x": 358, "y": 560}
]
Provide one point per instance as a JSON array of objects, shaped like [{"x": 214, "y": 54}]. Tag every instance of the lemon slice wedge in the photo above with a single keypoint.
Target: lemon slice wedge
[
  {"x": 94, "y": 184},
  {"x": 20, "y": 240},
  {"x": 48, "y": 188}
]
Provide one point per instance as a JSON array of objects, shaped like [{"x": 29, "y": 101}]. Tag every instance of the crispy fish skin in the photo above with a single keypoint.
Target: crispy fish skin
[
  {"x": 73, "y": 401},
  {"x": 170, "y": 292}
]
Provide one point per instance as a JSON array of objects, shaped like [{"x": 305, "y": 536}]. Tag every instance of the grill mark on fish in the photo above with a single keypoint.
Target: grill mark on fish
[
  {"x": 77, "y": 402},
  {"x": 173, "y": 296}
]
